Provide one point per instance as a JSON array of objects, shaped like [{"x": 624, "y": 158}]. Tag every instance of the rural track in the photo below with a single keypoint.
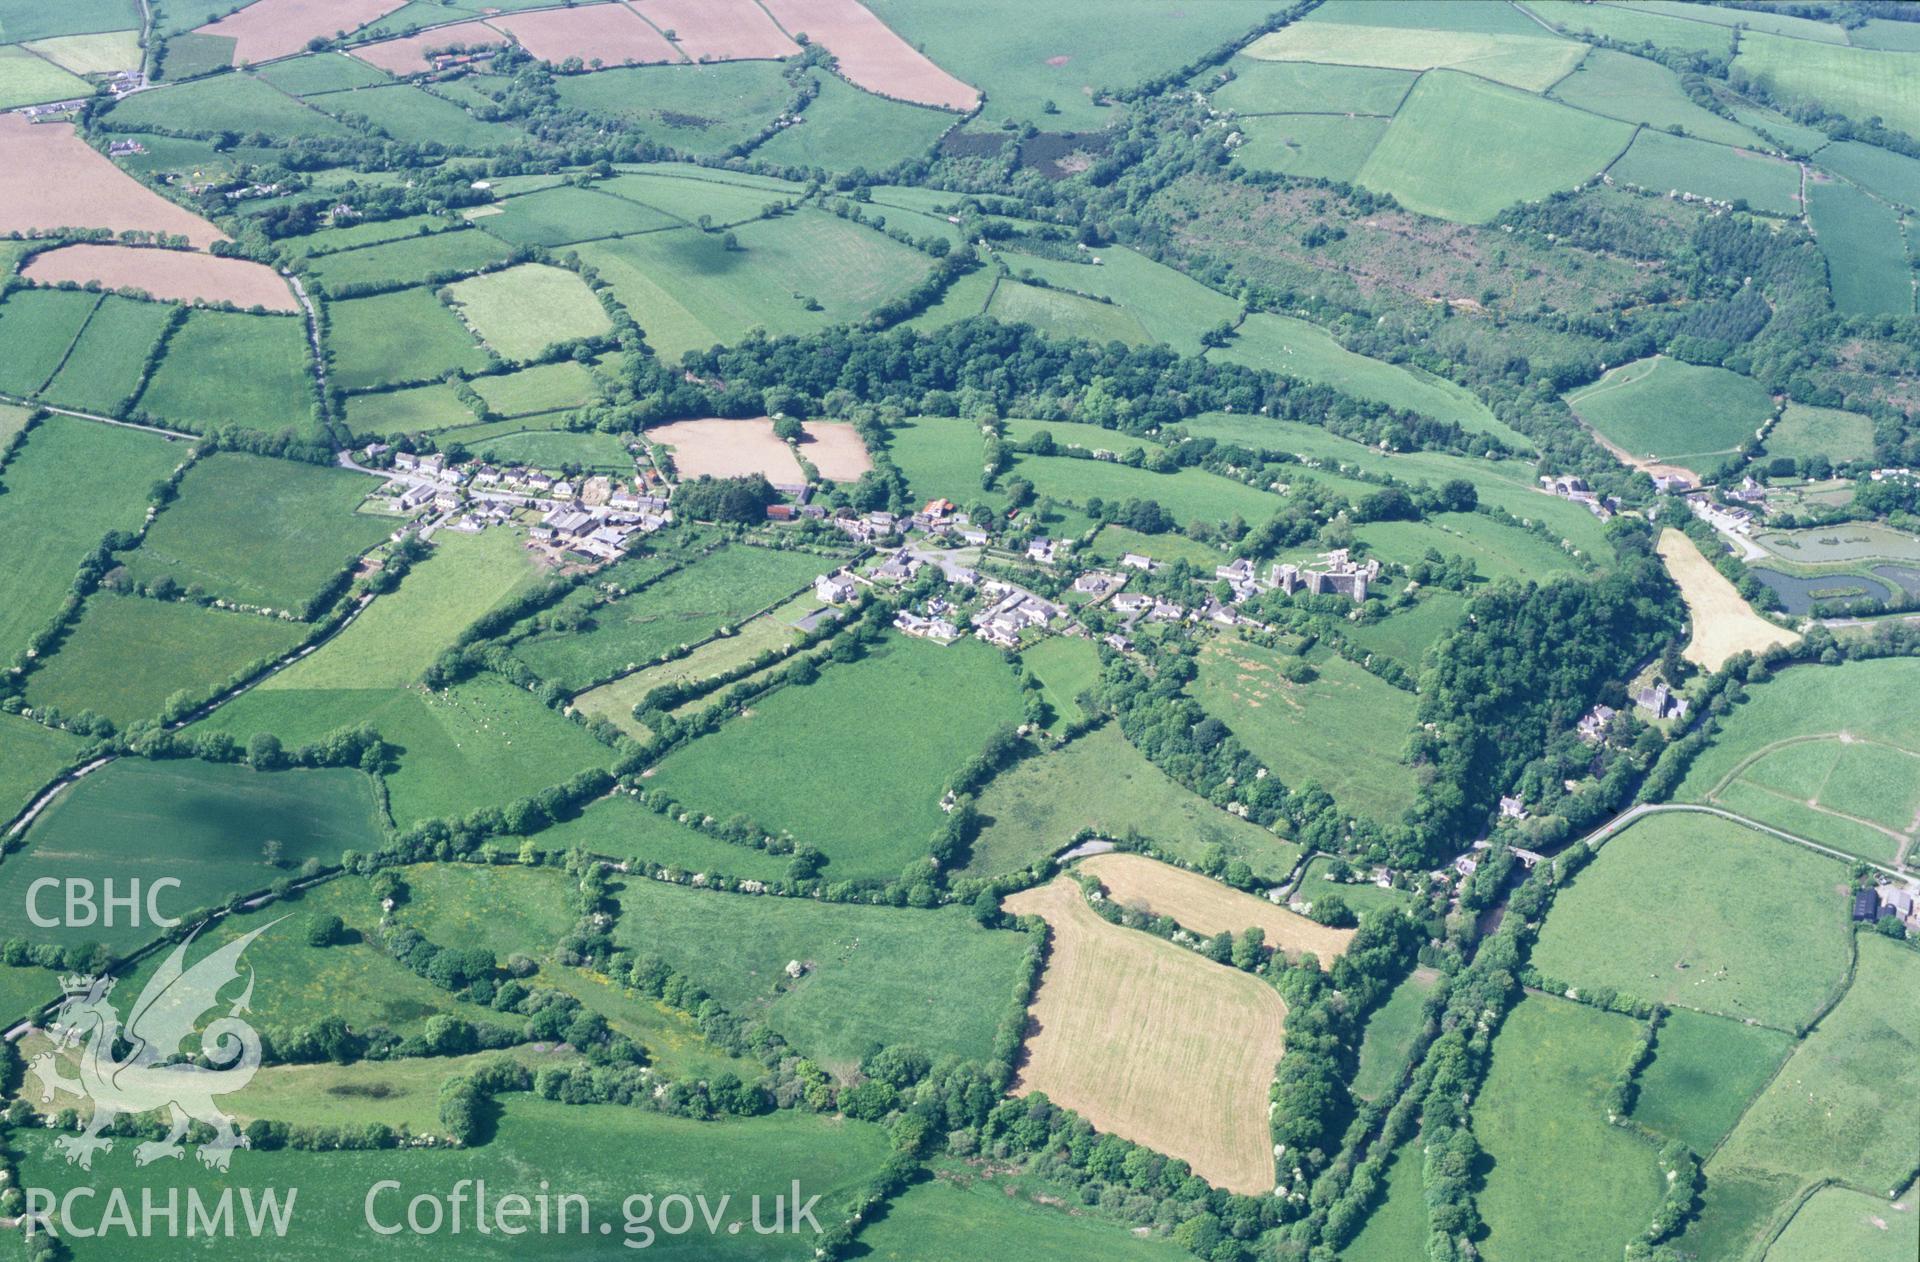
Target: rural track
[
  {"x": 95, "y": 416},
  {"x": 1606, "y": 831}
]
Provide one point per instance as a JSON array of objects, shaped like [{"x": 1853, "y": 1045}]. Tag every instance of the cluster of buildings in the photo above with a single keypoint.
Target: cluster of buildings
[
  {"x": 1571, "y": 487},
  {"x": 1013, "y": 610},
  {"x": 1889, "y": 898}
]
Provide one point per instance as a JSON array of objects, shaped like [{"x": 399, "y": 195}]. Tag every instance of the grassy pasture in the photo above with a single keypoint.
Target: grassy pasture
[
  {"x": 102, "y": 372},
  {"x": 1397, "y": 1224},
  {"x": 1634, "y": 24},
  {"x": 322, "y": 72},
  {"x": 1673, "y": 411},
  {"x": 24, "y": 19},
  {"x": 1703, "y": 1072},
  {"x": 1498, "y": 551},
  {"x": 1774, "y": 953},
  {"x": 965, "y": 298},
  {"x": 523, "y": 310},
  {"x": 222, "y": 368},
  {"x": 1860, "y": 82},
  {"x": 537, "y": 1142},
  {"x": 1100, "y": 781},
  {"x": 845, "y": 129},
  {"x": 685, "y": 192},
  {"x": 1406, "y": 636},
  {"x": 407, "y": 335},
  {"x": 1391, "y": 1031},
  {"x": 1563, "y": 1183},
  {"x": 37, "y": 327},
  {"x": 1362, "y": 895},
  {"x": 1066, "y": 666},
  {"x": 1132, "y": 1035},
  {"x": 129, "y": 655},
  {"x": 411, "y": 259},
  {"x": 188, "y": 55},
  {"x": 1865, "y": 251},
  {"x": 238, "y": 103},
  {"x": 884, "y": 757},
  {"x": 1061, "y": 313},
  {"x": 1894, "y": 176},
  {"x": 542, "y": 388},
  {"x": 258, "y": 531},
  {"x": 698, "y": 109},
  {"x": 1844, "y": 1107},
  {"x": 411, "y": 115},
  {"x": 628, "y": 831},
  {"x": 26, "y": 79},
  {"x": 30, "y": 757},
  {"x": 67, "y": 487},
  {"x": 559, "y": 216},
  {"x": 1310, "y": 146},
  {"x": 552, "y": 448},
  {"x": 1635, "y": 90},
  {"x": 1840, "y": 1222},
  {"x": 374, "y": 232},
  {"x": 1804, "y": 430},
  {"x": 948, "y": 1218},
  {"x": 415, "y": 410},
  {"x": 1462, "y": 148},
  {"x": 402, "y": 1092},
  {"x": 1661, "y": 162},
  {"x": 928, "y": 979},
  {"x": 1298, "y": 87},
  {"x": 1531, "y": 61},
  {"x": 682, "y": 608},
  {"x": 1343, "y": 730},
  {"x": 1760, "y": 20},
  {"x": 200, "y": 823},
  {"x": 1115, "y": 541},
  {"x": 1207, "y": 906},
  {"x": 1189, "y": 494},
  {"x": 1170, "y": 306}
]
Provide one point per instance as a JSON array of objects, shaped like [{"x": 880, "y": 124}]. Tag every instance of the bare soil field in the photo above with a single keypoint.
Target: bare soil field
[
  {"x": 1204, "y": 905},
  {"x": 731, "y": 449},
  {"x": 267, "y": 29},
  {"x": 169, "y": 275},
  {"x": 611, "y": 32},
  {"x": 871, "y": 55},
  {"x": 1723, "y": 623},
  {"x": 718, "y": 30},
  {"x": 1151, "y": 1042},
  {"x": 50, "y": 178},
  {"x": 408, "y": 54},
  {"x": 834, "y": 448}
]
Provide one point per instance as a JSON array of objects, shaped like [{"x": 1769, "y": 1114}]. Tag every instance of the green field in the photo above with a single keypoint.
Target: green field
[
  {"x": 550, "y": 449},
  {"x": 129, "y": 655},
  {"x": 1189, "y": 494},
  {"x": 731, "y": 197},
  {"x": 411, "y": 115},
  {"x": 1361, "y": 895},
  {"x": 1310, "y": 146},
  {"x": 30, "y": 757},
  {"x": 1497, "y": 550},
  {"x": 1563, "y": 1183},
  {"x": 1406, "y": 636},
  {"x": 1892, "y": 175},
  {"x": 943, "y": 1218},
  {"x": 1805, "y": 431},
  {"x": 202, "y": 824},
  {"x": 1391, "y": 1031},
  {"x": 371, "y": 232},
  {"x": 222, "y": 368},
  {"x": 410, "y": 260},
  {"x": 542, "y": 388},
  {"x": 1861, "y": 82},
  {"x": 322, "y": 72},
  {"x": 70, "y": 484},
  {"x": 538, "y": 1142},
  {"x": 37, "y": 327},
  {"x": 407, "y": 335},
  {"x": 933, "y": 980},
  {"x": 845, "y": 129},
  {"x": 1170, "y": 306},
  {"x": 1634, "y": 24},
  {"x": 883, "y": 734},
  {"x": 1839, "y": 1222},
  {"x": 1865, "y": 250},
  {"x": 258, "y": 531},
  {"x": 24, "y": 20},
  {"x": 1066, "y": 666},
  {"x": 1290, "y": 87},
  {"x": 1635, "y": 90},
  {"x": 1532, "y": 60},
  {"x": 558, "y": 216},
  {"x": 1660, "y": 163},
  {"x": 1845, "y": 1106},
  {"x": 523, "y": 310},
  {"x": 1114, "y": 542},
  {"x": 418, "y": 409},
  {"x": 1704, "y": 1071},
  {"x": 234, "y": 102},
  {"x": 1343, "y": 731},
  {"x": 1061, "y": 313},
  {"x": 1774, "y": 951},
  {"x": 1673, "y": 411},
  {"x": 688, "y": 291},
  {"x": 401, "y": 1092},
  {"x": 102, "y": 373},
  {"x": 627, "y": 831},
  {"x": 698, "y": 109},
  {"x": 1397, "y": 1223},
  {"x": 682, "y": 608},
  {"x": 1101, "y": 782},
  {"x": 1462, "y": 148}
]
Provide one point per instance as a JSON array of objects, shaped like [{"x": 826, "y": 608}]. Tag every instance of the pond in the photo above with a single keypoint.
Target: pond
[{"x": 1800, "y": 595}]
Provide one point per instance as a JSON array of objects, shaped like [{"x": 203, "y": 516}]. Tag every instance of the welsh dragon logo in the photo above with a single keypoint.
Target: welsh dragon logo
[{"x": 154, "y": 1073}]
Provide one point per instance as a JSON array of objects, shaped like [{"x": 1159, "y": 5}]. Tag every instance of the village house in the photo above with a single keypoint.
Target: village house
[
  {"x": 1132, "y": 602},
  {"x": 1134, "y": 561},
  {"x": 1239, "y": 572},
  {"x": 1593, "y": 727},
  {"x": 899, "y": 568},
  {"x": 1667, "y": 483},
  {"x": 1512, "y": 808},
  {"x": 1098, "y": 583},
  {"x": 835, "y": 589},
  {"x": 1043, "y": 551},
  {"x": 1118, "y": 643},
  {"x": 974, "y": 537},
  {"x": 780, "y": 512}
]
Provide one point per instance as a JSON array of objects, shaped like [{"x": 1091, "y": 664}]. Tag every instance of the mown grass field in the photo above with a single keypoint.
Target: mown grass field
[
  {"x": 258, "y": 531},
  {"x": 102, "y": 372},
  {"x": 683, "y": 608},
  {"x": 30, "y": 757},
  {"x": 1406, "y": 636},
  {"x": 1866, "y": 254},
  {"x": 1496, "y": 549},
  {"x": 1531, "y": 61},
  {"x": 686, "y": 192},
  {"x": 420, "y": 409},
  {"x": 222, "y": 368},
  {"x": 1390, "y": 1033},
  {"x": 1114, "y": 542},
  {"x": 523, "y": 310},
  {"x": 1362, "y": 896},
  {"x": 322, "y": 72},
  {"x": 1101, "y": 782},
  {"x": 70, "y": 484},
  {"x": 1563, "y": 1183},
  {"x": 933, "y": 980},
  {"x": 880, "y": 736},
  {"x": 129, "y": 655},
  {"x": 407, "y": 335},
  {"x": 537, "y": 1141},
  {"x": 402, "y": 1092},
  {"x": 200, "y": 823},
  {"x": 26, "y": 79},
  {"x": 1804, "y": 431},
  {"x": 410, "y": 260},
  {"x": 1892, "y": 175},
  {"x": 411, "y": 115},
  {"x": 1672, "y": 411},
  {"x": 1662, "y": 163},
  {"x": 1343, "y": 730},
  {"x": 1207, "y": 906},
  {"x": 1063, "y": 314},
  {"x": 1132, "y": 1035},
  {"x": 1775, "y": 951},
  {"x": 947, "y": 1219},
  {"x": 1635, "y": 90},
  {"x": 1704, "y": 1071}
]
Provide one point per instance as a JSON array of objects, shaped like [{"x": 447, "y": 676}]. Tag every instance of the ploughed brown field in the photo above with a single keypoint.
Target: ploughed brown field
[
  {"x": 169, "y": 275},
  {"x": 718, "y": 30},
  {"x": 1203, "y": 905},
  {"x": 279, "y": 28},
  {"x": 611, "y": 32},
  {"x": 50, "y": 178},
  {"x": 408, "y": 54},
  {"x": 1149, "y": 1041},
  {"x": 871, "y": 54}
]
